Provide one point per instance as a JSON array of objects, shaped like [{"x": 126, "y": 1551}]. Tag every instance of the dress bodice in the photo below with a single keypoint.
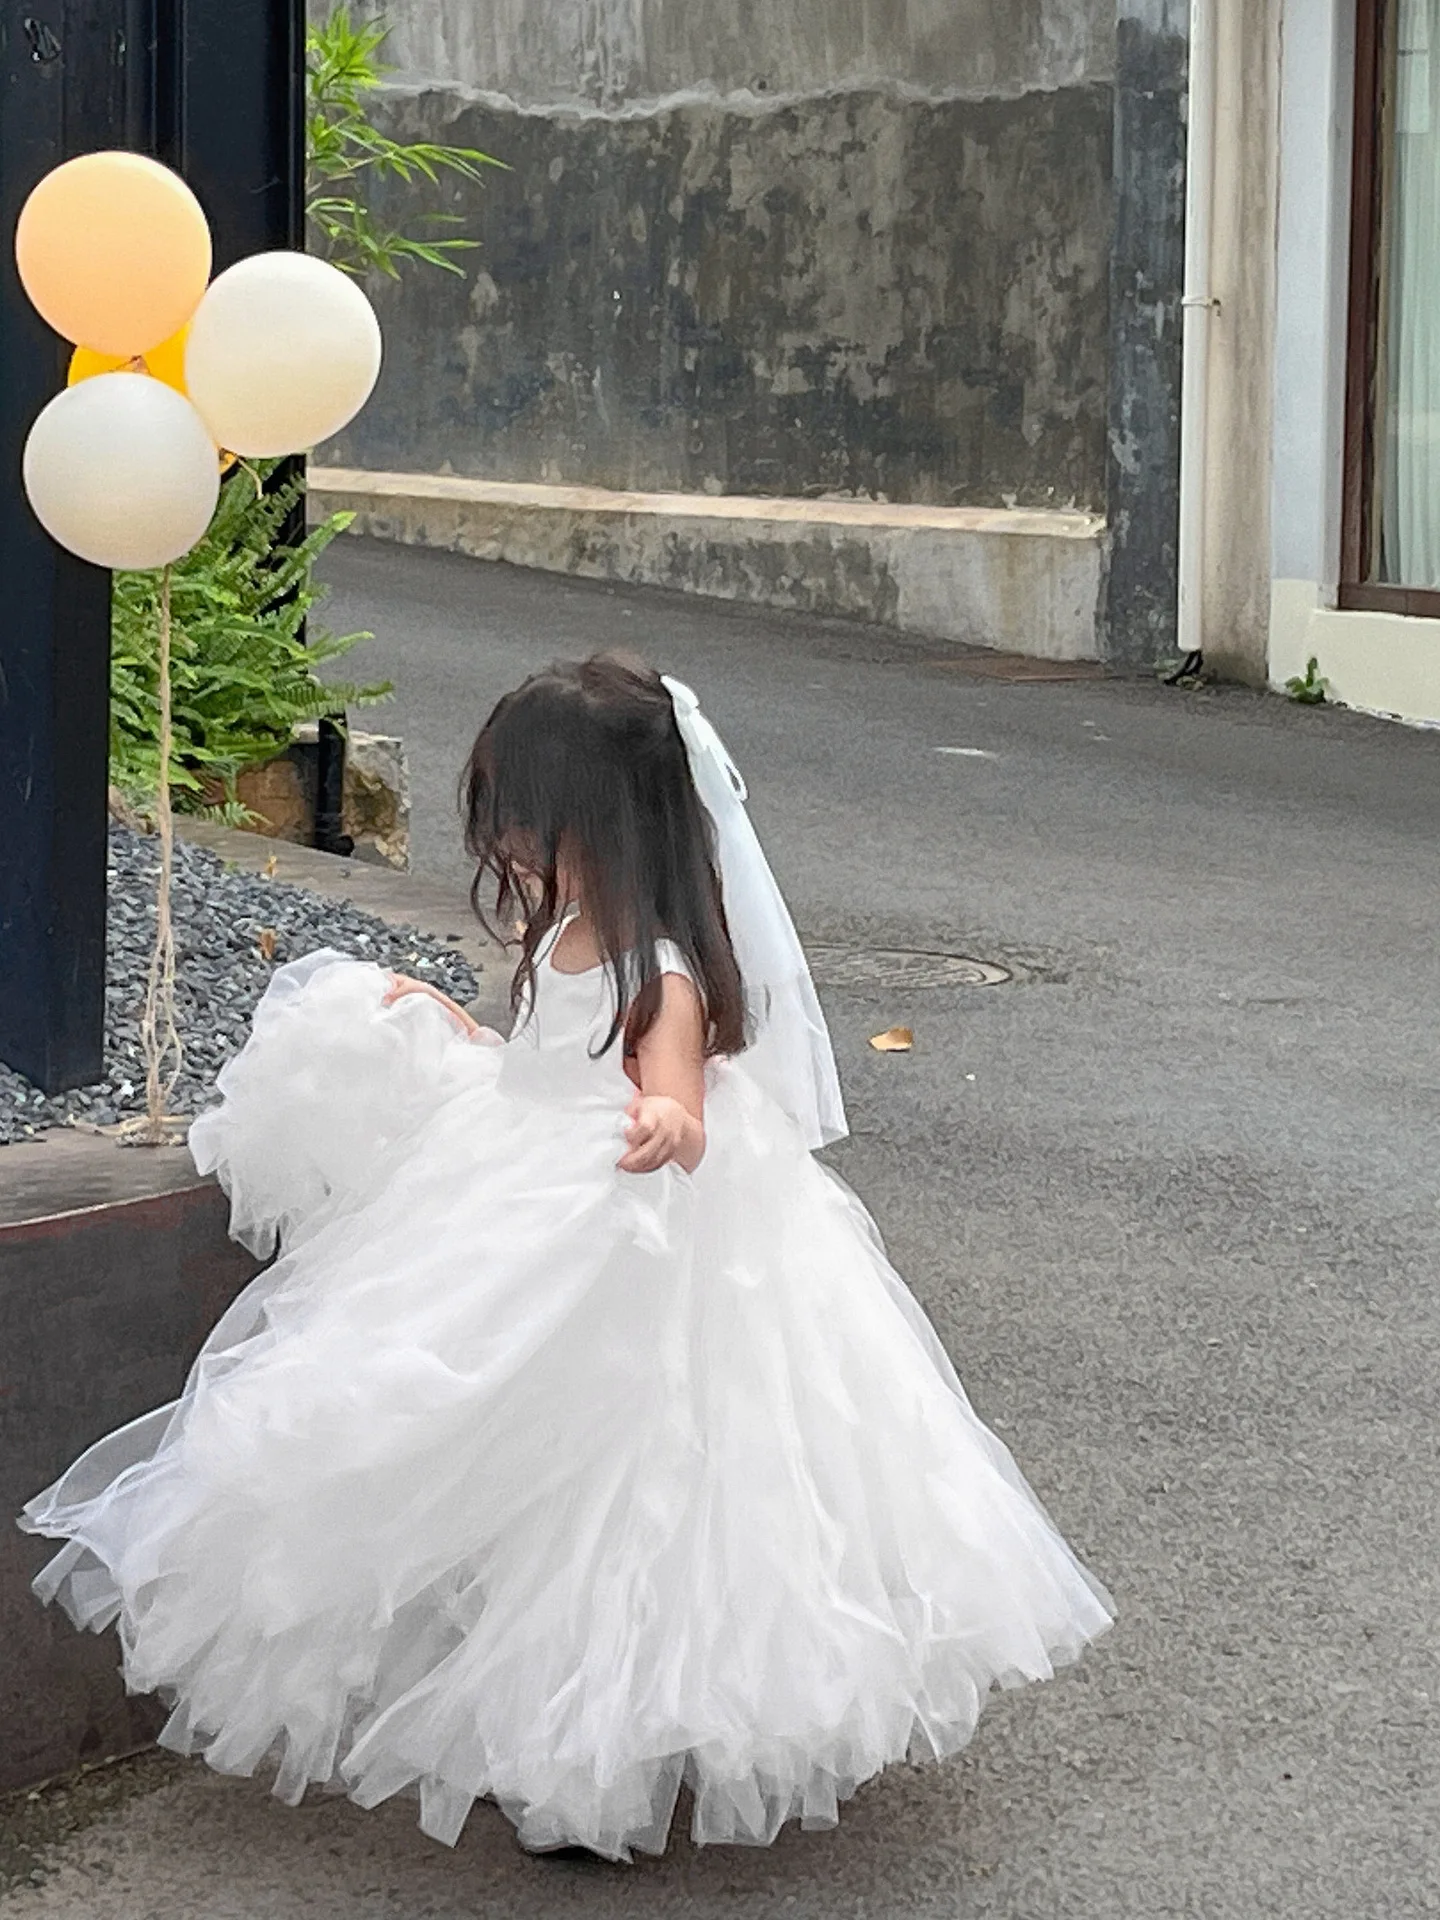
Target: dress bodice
[{"x": 556, "y": 1047}]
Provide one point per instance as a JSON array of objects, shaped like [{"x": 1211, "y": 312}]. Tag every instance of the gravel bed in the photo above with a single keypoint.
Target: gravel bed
[{"x": 224, "y": 921}]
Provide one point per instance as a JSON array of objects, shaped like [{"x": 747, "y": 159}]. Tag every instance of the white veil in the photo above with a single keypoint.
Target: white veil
[{"x": 789, "y": 1052}]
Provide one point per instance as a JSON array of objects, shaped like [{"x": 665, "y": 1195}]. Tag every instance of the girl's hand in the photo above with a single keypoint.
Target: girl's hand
[
  {"x": 402, "y": 985},
  {"x": 660, "y": 1130}
]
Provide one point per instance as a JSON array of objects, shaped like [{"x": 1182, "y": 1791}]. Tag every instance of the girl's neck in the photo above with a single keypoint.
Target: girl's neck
[{"x": 575, "y": 950}]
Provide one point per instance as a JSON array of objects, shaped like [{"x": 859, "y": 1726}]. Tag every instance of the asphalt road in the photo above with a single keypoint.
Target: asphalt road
[{"x": 1172, "y": 1198}]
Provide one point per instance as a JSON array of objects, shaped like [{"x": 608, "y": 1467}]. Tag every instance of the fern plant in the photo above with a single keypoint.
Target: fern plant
[
  {"x": 243, "y": 673},
  {"x": 345, "y": 150}
]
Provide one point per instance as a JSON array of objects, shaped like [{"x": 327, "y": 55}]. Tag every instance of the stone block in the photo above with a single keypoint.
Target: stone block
[{"x": 280, "y": 796}]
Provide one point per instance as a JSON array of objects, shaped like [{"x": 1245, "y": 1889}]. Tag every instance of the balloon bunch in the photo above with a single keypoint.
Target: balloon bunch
[{"x": 174, "y": 376}]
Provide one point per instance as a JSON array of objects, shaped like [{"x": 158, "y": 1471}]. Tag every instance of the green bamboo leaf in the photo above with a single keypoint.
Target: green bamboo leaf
[{"x": 344, "y": 71}]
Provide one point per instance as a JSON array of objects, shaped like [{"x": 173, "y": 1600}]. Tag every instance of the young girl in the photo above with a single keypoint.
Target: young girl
[{"x": 581, "y": 1444}]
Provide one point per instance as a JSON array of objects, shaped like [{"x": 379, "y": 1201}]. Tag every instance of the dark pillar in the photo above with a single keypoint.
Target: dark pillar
[
  {"x": 66, "y": 87},
  {"x": 239, "y": 112},
  {"x": 217, "y": 92},
  {"x": 1147, "y": 263},
  {"x": 239, "y": 127}
]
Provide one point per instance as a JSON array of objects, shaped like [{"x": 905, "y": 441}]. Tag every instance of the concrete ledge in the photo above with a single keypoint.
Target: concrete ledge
[
  {"x": 113, "y": 1263},
  {"x": 1023, "y": 580}
]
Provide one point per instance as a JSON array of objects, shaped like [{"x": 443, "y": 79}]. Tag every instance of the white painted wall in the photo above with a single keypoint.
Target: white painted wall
[
  {"x": 1382, "y": 663},
  {"x": 1378, "y": 662},
  {"x": 1312, "y": 267}
]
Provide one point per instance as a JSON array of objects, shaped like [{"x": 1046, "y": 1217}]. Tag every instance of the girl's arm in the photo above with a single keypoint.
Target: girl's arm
[
  {"x": 401, "y": 984},
  {"x": 666, "y": 1119}
]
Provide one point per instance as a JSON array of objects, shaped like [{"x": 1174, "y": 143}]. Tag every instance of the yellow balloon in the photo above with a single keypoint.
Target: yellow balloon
[
  {"x": 165, "y": 362},
  {"x": 114, "y": 251}
]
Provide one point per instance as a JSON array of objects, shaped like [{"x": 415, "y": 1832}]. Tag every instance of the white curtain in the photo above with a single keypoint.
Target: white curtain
[{"x": 1410, "y": 470}]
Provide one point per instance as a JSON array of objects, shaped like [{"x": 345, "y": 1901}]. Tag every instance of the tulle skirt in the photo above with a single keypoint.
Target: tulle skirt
[{"x": 517, "y": 1477}]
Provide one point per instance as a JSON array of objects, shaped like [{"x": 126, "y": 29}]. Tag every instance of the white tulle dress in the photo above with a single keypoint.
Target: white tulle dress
[{"x": 519, "y": 1477}]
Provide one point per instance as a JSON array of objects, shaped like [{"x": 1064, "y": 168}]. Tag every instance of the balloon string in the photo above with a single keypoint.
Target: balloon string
[{"x": 159, "y": 1035}]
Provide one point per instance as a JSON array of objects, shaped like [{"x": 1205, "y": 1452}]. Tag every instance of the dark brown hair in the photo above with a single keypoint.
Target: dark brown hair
[{"x": 584, "y": 764}]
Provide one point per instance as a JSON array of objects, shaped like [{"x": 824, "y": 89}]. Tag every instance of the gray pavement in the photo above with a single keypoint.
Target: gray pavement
[{"x": 1172, "y": 1198}]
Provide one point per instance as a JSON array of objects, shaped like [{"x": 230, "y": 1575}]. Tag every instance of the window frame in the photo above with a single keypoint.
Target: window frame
[{"x": 1373, "y": 18}]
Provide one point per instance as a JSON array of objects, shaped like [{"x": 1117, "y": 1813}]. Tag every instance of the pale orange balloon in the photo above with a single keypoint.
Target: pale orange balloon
[
  {"x": 114, "y": 251},
  {"x": 165, "y": 362}
]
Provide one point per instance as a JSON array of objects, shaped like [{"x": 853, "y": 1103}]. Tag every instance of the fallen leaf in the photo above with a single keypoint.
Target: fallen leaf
[
  {"x": 897, "y": 1040},
  {"x": 271, "y": 867},
  {"x": 266, "y": 943}
]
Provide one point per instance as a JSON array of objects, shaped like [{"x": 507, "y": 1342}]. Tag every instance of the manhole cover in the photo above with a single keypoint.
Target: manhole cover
[{"x": 899, "y": 967}]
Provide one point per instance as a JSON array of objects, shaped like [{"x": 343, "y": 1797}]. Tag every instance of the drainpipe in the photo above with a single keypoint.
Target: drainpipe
[{"x": 1197, "y": 306}]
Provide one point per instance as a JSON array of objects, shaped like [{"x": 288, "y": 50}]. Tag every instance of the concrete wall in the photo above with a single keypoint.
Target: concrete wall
[
  {"x": 1239, "y": 413},
  {"x": 607, "y": 53},
  {"x": 797, "y": 247},
  {"x": 1147, "y": 260}
]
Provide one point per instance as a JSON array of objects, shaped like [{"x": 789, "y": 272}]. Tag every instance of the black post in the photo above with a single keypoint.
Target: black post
[
  {"x": 217, "y": 92},
  {"x": 67, "y": 87},
  {"x": 238, "y": 54},
  {"x": 330, "y": 834},
  {"x": 240, "y": 121}
]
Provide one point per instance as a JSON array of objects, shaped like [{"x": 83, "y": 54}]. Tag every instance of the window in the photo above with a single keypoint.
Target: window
[{"x": 1390, "y": 556}]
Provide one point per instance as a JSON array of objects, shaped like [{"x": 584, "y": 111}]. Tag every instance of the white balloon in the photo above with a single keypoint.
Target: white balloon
[
  {"x": 120, "y": 470},
  {"x": 283, "y": 351}
]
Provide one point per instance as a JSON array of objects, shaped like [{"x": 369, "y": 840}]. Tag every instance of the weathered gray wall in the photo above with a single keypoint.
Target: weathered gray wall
[
  {"x": 812, "y": 246},
  {"x": 607, "y": 53},
  {"x": 1147, "y": 265}
]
